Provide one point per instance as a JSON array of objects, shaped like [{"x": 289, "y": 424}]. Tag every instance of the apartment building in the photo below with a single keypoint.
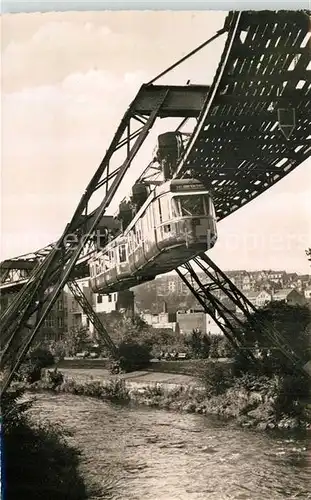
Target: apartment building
[{"x": 55, "y": 324}]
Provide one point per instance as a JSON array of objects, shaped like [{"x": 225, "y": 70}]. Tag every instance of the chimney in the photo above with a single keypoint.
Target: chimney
[{"x": 164, "y": 307}]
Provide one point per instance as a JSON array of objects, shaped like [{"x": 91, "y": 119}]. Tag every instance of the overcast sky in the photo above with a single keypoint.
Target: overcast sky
[{"x": 67, "y": 79}]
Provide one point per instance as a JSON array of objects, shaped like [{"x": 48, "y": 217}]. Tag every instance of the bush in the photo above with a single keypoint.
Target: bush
[
  {"x": 31, "y": 369},
  {"x": 152, "y": 391},
  {"x": 116, "y": 390},
  {"x": 133, "y": 356},
  {"x": 253, "y": 382},
  {"x": 13, "y": 411},
  {"x": 38, "y": 463},
  {"x": 113, "y": 390},
  {"x": 216, "y": 379},
  {"x": 54, "y": 378},
  {"x": 292, "y": 395},
  {"x": 220, "y": 347},
  {"x": 42, "y": 358}
]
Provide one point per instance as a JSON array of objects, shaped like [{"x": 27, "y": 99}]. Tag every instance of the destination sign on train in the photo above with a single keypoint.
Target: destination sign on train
[{"x": 186, "y": 187}]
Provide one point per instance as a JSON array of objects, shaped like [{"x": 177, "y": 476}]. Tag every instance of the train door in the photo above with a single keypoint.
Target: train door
[
  {"x": 111, "y": 274},
  {"x": 131, "y": 251},
  {"x": 158, "y": 222},
  {"x": 164, "y": 229},
  {"x": 122, "y": 264},
  {"x": 148, "y": 231},
  {"x": 101, "y": 266},
  {"x": 139, "y": 250}
]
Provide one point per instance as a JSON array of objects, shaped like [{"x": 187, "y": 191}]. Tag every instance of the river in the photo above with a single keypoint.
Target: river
[{"x": 147, "y": 454}]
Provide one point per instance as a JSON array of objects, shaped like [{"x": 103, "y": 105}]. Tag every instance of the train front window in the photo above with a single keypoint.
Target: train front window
[{"x": 188, "y": 206}]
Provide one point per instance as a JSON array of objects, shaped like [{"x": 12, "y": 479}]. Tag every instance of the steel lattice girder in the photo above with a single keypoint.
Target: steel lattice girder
[
  {"x": 100, "y": 330},
  {"x": 239, "y": 150},
  {"x": 228, "y": 306},
  {"x": 48, "y": 278},
  {"x": 210, "y": 287}
]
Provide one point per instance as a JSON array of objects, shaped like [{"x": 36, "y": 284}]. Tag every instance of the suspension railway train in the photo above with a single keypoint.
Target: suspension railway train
[{"x": 176, "y": 222}]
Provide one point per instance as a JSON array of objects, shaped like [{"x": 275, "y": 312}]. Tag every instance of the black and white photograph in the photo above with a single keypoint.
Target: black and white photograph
[{"x": 155, "y": 292}]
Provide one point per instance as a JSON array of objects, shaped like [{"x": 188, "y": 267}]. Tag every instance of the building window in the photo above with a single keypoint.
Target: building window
[
  {"x": 109, "y": 298},
  {"x": 171, "y": 286},
  {"x": 60, "y": 323},
  {"x": 99, "y": 299},
  {"x": 49, "y": 322}
]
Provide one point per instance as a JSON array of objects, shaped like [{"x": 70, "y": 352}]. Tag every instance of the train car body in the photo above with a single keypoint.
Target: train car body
[{"x": 176, "y": 223}]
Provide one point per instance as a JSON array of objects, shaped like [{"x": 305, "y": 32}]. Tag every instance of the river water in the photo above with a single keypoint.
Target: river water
[{"x": 147, "y": 454}]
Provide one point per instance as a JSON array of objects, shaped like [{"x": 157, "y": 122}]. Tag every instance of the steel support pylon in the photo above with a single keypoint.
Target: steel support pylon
[
  {"x": 39, "y": 294},
  {"x": 229, "y": 307},
  {"x": 102, "y": 334}
]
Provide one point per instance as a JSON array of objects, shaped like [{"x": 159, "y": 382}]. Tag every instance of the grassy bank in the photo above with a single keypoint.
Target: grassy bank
[
  {"x": 249, "y": 407},
  {"x": 192, "y": 367},
  {"x": 252, "y": 401}
]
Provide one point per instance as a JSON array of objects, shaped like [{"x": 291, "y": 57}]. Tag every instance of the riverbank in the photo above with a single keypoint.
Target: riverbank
[
  {"x": 38, "y": 461},
  {"x": 139, "y": 452},
  {"x": 250, "y": 402}
]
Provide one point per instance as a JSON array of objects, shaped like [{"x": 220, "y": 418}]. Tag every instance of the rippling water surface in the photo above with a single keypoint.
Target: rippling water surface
[{"x": 146, "y": 454}]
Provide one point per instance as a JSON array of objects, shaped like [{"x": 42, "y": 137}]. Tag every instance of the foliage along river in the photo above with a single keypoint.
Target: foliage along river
[{"x": 147, "y": 454}]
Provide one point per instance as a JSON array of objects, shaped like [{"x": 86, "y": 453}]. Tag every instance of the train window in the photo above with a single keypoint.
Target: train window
[
  {"x": 129, "y": 242},
  {"x": 144, "y": 225},
  {"x": 212, "y": 211},
  {"x": 122, "y": 253},
  {"x": 133, "y": 243},
  {"x": 148, "y": 215},
  {"x": 175, "y": 207},
  {"x": 208, "y": 205},
  {"x": 138, "y": 232},
  {"x": 160, "y": 210},
  {"x": 111, "y": 258},
  {"x": 188, "y": 205},
  {"x": 152, "y": 221},
  {"x": 106, "y": 261},
  {"x": 164, "y": 203}
]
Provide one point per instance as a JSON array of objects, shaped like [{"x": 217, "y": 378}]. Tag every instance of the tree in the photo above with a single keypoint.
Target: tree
[
  {"x": 77, "y": 340},
  {"x": 122, "y": 328},
  {"x": 291, "y": 323},
  {"x": 308, "y": 252},
  {"x": 199, "y": 344},
  {"x": 220, "y": 347}
]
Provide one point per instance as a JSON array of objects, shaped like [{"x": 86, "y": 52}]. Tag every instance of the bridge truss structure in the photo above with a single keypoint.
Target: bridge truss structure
[{"x": 252, "y": 129}]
